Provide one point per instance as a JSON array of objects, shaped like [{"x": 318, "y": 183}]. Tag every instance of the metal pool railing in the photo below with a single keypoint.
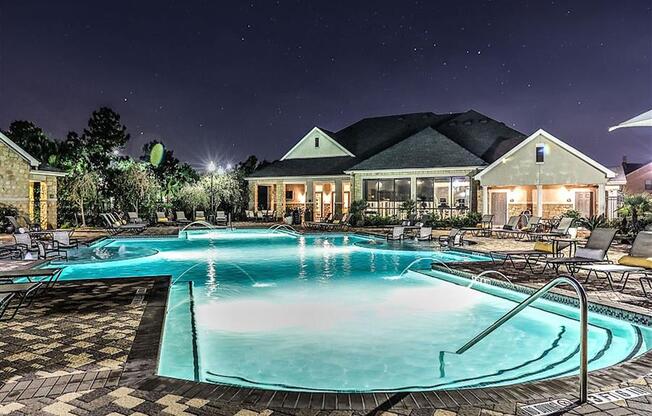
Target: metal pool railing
[{"x": 583, "y": 304}]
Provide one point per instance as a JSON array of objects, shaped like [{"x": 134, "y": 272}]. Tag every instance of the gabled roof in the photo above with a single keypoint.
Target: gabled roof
[
  {"x": 470, "y": 137},
  {"x": 481, "y": 135},
  {"x": 31, "y": 159},
  {"x": 555, "y": 140},
  {"x": 631, "y": 167},
  {"x": 328, "y": 135},
  {"x": 371, "y": 135},
  {"x": 425, "y": 149}
]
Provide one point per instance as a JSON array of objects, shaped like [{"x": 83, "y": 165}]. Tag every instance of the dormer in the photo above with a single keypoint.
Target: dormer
[{"x": 317, "y": 143}]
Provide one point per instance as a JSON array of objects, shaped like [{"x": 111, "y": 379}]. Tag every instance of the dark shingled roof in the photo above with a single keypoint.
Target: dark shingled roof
[
  {"x": 483, "y": 136},
  {"x": 468, "y": 139},
  {"x": 434, "y": 150},
  {"x": 631, "y": 167},
  {"x": 306, "y": 167}
]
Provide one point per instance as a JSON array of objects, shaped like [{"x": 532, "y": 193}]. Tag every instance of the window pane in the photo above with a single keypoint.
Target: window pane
[
  {"x": 386, "y": 190},
  {"x": 442, "y": 191},
  {"x": 540, "y": 152},
  {"x": 402, "y": 189},
  {"x": 461, "y": 192},
  {"x": 370, "y": 190},
  {"x": 426, "y": 189}
]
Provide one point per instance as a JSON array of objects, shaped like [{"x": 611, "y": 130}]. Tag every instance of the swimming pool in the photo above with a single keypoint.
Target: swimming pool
[{"x": 333, "y": 312}]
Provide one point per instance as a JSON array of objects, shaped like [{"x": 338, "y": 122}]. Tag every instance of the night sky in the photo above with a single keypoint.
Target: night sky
[{"x": 218, "y": 79}]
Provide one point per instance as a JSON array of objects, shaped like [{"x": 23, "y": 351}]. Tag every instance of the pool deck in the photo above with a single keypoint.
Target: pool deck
[{"x": 90, "y": 347}]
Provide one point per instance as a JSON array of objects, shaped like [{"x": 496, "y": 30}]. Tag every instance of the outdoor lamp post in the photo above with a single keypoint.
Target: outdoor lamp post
[{"x": 211, "y": 169}]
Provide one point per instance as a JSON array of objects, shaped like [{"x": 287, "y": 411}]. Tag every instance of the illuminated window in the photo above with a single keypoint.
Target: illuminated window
[
  {"x": 540, "y": 153},
  {"x": 316, "y": 141}
]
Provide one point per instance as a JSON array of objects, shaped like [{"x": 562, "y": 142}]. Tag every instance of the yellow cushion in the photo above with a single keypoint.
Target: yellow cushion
[
  {"x": 161, "y": 219},
  {"x": 543, "y": 246},
  {"x": 636, "y": 261}
]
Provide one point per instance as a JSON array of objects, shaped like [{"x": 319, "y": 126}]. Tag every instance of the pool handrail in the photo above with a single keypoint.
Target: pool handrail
[
  {"x": 284, "y": 227},
  {"x": 583, "y": 304},
  {"x": 204, "y": 223},
  {"x": 486, "y": 272}
]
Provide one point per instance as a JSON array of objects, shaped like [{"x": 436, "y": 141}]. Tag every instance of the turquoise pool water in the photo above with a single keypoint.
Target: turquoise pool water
[{"x": 336, "y": 313}]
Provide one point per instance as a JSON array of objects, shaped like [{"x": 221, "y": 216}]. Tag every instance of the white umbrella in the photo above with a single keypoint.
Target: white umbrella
[{"x": 642, "y": 120}]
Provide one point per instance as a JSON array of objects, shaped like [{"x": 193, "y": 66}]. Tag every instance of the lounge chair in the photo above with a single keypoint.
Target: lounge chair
[
  {"x": 134, "y": 218},
  {"x": 531, "y": 226},
  {"x": 455, "y": 237},
  {"x": 115, "y": 227},
  {"x": 5, "y": 299},
  {"x": 637, "y": 262},
  {"x": 508, "y": 229},
  {"x": 397, "y": 233},
  {"x": 595, "y": 251},
  {"x": 14, "y": 223},
  {"x": 319, "y": 224},
  {"x": 259, "y": 216},
  {"x": 483, "y": 228},
  {"x": 250, "y": 215},
  {"x": 540, "y": 251},
  {"x": 24, "y": 291},
  {"x": 220, "y": 217},
  {"x": 425, "y": 234},
  {"x": 181, "y": 218},
  {"x": 199, "y": 216},
  {"x": 25, "y": 243},
  {"x": 162, "y": 219},
  {"x": 560, "y": 231}
]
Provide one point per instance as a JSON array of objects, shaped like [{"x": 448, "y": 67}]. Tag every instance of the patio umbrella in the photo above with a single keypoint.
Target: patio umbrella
[{"x": 642, "y": 120}]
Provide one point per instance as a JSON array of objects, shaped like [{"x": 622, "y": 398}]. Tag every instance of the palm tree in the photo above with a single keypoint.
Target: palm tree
[{"x": 636, "y": 206}]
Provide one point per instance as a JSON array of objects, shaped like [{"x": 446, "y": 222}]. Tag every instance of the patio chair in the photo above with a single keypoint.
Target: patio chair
[
  {"x": 199, "y": 216},
  {"x": 181, "y": 218},
  {"x": 220, "y": 217},
  {"x": 397, "y": 233},
  {"x": 531, "y": 226},
  {"x": 425, "y": 234},
  {"x": 62, "y": 240},
  {"x": 259, "y": 216},
  {"x": 14, "y": 223},
  {"x": 483, "y": 228},
  {"x": 560, "y": 231},
  {"x": 162, "y": 219},
  {"x": 637, "y": 262},
  {"x": 114, "y": 227},
  {"x": 320, "y": 224},
  {"x": 595, "y": 251},
  {"x": 47, "y": 251},
  {"x": 455, "y": 237},
  {"x": 250, "y": 215},
  {"x": 134, "y": 218},
  {"x": 22, "y": 291},
  {"x": 508, "y": 229},
  {"x": 25, "y": 291},
  {"x": 5, "y": 299},
  {"x": 25, "y": 243}
]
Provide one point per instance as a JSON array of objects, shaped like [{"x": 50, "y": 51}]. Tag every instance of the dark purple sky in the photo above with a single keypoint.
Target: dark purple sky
[{"x": 229, "y": 79}]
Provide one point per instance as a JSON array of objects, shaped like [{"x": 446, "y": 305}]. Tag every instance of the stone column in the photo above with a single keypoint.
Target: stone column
[
  {"x": 602, "y": 206},
  {"x": 485, "y": 199},
  {"x": 279, "y": 201},
  {"x": 253, "y": 196},
  {"x": 413, "y": 187},
  {"x": 539, "y": 200}
]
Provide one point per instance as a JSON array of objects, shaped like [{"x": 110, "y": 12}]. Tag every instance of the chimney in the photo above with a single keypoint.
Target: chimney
[{"x": 624, "y": 159}]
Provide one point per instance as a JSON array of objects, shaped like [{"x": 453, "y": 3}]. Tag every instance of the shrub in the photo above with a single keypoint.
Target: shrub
[
  {"x": 593, "y": 222},
  {"x": 4, "y": 211}
]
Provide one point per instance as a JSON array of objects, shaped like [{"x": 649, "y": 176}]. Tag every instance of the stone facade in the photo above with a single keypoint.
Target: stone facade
[
  {"x": 17, "y": 177},
  {"x": 14, "y": 179},
  {"x": 555, "y": 210}
]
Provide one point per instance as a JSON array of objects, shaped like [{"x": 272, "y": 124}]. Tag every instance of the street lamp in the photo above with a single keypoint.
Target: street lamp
[{"x": 211, "y": 169}]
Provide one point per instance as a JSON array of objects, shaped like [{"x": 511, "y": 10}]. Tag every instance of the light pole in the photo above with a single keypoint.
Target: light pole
[{"x": 211, "y": 169}]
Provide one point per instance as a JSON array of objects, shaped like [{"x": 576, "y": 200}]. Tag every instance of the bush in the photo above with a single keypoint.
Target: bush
[
  {"x": 4, "y": 211},
  {"x": 357, "y": 212},
  {"x": 593, "y": 222},
  {"x": 470, "y": 219},
  {"x": 379, "y": 220}
]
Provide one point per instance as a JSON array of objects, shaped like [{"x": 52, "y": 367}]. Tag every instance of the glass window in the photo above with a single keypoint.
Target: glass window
[
  {"x": 648, "y": 184},
  {"x": 370, "y": 190},
  {"x": 316, "y": 141},
  {"x": 425, "y": 189},
  {"x": 461, "y": 192},
  {"x": 442, "y": 192},
  {"x": 540, "y": 153},
  {"x": 402, "y": 189},
  {"x": 386, "y": 190}
]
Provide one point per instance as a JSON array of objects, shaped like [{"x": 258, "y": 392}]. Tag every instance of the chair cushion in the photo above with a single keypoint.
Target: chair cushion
[
  {"x": 590, "y": 253},
  {"x": 544, "y": 247},
  {"x": 636, "y": 261}
]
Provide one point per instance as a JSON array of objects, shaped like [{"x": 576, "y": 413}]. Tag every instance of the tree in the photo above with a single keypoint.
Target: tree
[
  {"x": 193, "y": 196},
  {"x": 135, "y": 187},
  {"x": 170, "y": 173},
  {"x": 636, "y": 206},
  {"x": 33, "y": 140},
  {"x": 103, "y": 136},
  {"x": 80, "y": 189}
]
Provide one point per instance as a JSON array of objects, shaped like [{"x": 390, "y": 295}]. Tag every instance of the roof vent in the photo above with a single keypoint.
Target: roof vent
[
  {"x": 483, "y": 121},
  {"x": 468, "y": 122},
  {"x": 453, "y": 123}
]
